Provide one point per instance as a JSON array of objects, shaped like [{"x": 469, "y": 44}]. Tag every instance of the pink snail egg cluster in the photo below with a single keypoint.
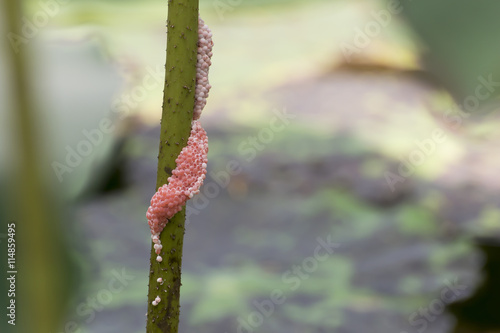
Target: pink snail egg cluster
[
  {"x": 191, "y": 164},
  {"x": 185, "y": 182},
  {"x": 205, "y": 45}
]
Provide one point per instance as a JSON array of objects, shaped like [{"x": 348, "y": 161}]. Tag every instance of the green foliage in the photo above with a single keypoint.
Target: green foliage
[
  {"x": 462, "y": 40},
  {"x": 416, "y": 220}
]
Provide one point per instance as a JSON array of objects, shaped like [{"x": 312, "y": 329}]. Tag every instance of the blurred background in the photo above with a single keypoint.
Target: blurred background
[{"x": 352, "y": 180}]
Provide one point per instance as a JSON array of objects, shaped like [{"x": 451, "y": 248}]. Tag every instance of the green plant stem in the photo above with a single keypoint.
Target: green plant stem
[
  {"x": 40, "y": 275},
  {"x": 177, "y": 113}
]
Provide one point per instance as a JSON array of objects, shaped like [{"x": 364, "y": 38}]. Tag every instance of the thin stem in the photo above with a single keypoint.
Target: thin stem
[{"x": 177, "y": 113}]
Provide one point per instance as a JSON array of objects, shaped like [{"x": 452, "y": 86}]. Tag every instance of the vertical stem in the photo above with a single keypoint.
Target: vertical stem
[
  {"x": 177, "y": 113},
  {"x": 40, "y": 278}
]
